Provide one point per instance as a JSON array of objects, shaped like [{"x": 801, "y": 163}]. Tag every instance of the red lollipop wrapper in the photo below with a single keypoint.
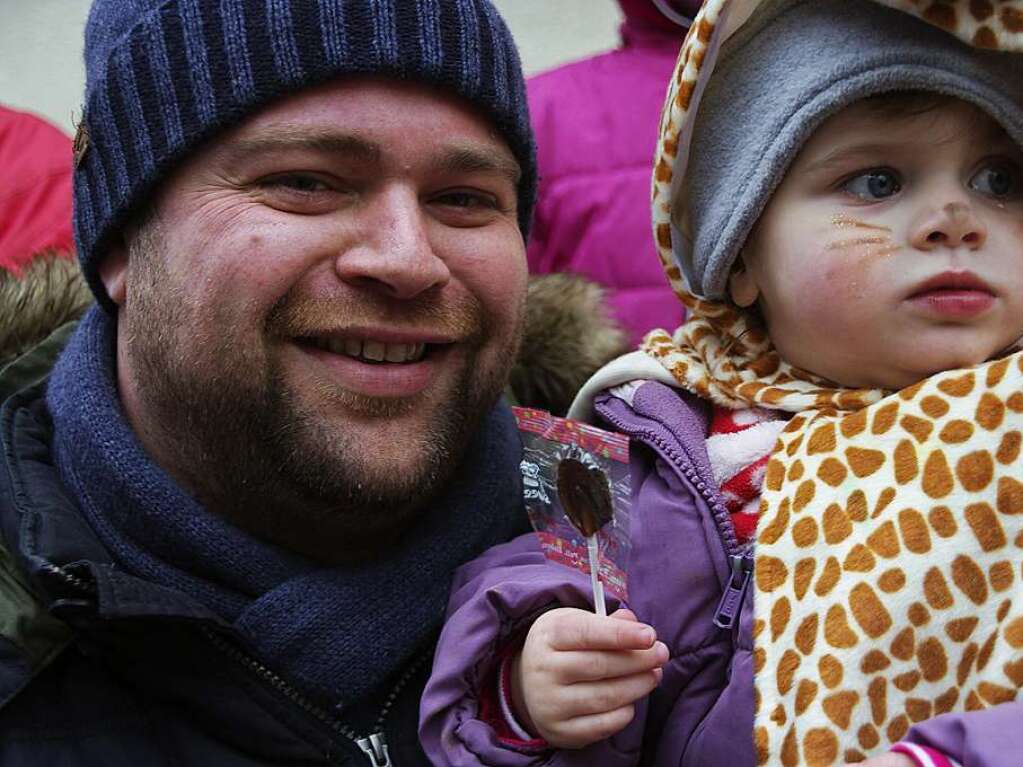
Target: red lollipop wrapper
[{"x": 576, "y": 482}]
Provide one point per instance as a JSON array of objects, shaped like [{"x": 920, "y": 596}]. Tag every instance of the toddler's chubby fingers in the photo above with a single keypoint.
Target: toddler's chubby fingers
[
  {"x": 582, "y": 731},
  {"x": 591, "y": 698},
  {"x": 571, "y": 629},
  {"x": 575, "y": 666}
]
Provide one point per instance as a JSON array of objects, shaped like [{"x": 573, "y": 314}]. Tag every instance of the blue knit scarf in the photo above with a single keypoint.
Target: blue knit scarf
[{"x": 335, "y": 633}]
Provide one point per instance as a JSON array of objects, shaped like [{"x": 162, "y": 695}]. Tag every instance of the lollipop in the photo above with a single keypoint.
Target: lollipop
[{"x": 585, "y": 496}]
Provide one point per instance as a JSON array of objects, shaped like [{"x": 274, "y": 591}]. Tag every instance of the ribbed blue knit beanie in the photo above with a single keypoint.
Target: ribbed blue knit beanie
[{"x": 163, "y": 76}]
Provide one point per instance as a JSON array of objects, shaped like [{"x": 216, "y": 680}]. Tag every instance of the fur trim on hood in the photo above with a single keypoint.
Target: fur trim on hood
[
  {"x": 569, "y": 336},
  {"x": 47, "y": 294}
]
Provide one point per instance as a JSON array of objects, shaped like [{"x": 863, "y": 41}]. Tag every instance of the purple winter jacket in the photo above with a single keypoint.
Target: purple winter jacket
[
  {"x": 596, "y": 129},
  {"x": 684, "y": 547}
]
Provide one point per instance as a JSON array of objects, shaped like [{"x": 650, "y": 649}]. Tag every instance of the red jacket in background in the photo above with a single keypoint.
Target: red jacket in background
[
  {"x": 35, "y": 190},
  {"x": 596, "y": 125}
]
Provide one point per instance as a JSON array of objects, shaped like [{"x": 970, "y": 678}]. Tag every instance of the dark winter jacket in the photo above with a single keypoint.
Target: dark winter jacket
[
  {"x": 94, "y": 671},
  {"x": 97, "y": 670}
]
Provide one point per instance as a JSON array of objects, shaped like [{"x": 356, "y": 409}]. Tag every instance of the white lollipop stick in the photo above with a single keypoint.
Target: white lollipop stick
[{"x": 598, "y": 588}]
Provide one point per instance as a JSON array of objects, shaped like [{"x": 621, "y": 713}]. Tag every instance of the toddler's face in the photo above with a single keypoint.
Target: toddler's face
[{"x": 894, "y": 247}]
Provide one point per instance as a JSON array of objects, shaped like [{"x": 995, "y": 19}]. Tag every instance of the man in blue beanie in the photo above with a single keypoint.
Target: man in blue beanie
[{"x": 231, "y": 512}]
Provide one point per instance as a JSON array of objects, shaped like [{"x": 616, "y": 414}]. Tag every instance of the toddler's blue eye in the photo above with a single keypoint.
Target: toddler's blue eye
[
  {"x": 877, "y": 184},
  {"x": 997, "y": 180}
]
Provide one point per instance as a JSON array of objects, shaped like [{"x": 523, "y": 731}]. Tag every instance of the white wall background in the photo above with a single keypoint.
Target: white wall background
[{"x": 41, "y": 45}]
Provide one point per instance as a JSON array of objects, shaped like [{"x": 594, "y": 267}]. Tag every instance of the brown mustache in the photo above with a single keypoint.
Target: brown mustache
[{"x": 295, "y": 317}]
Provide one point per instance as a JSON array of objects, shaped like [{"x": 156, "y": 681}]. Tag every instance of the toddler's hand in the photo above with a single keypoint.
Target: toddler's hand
[{"x": 578, "y": 675}]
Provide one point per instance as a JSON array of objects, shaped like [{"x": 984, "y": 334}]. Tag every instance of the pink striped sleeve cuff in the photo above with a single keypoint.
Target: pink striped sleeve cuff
[{"x": 924, "y": 756}]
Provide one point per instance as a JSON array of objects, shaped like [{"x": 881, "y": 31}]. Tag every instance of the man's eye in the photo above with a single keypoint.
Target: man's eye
[
  {"x": 875, "y": 184},
  {"x": 297, "y": 183},
  {"x": 997, "y": 180},
  {"x": 467, "y": 200}
]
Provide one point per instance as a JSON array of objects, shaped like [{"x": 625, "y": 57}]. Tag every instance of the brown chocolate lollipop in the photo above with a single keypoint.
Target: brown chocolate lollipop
[{"x": 585, "y": 496}]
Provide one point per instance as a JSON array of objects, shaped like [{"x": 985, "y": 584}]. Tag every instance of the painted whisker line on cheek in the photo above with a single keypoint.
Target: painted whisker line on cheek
[
  {"x": 843, "y": 244},
  {"x": 843, "y": 221}
]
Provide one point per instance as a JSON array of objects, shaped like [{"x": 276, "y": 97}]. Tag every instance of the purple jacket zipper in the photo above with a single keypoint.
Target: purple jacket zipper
[
  {"x": 730, "y": 605},
  {"x": 741, "y": 562}
]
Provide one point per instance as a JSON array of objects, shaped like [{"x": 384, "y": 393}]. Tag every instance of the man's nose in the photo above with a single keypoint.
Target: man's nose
[
  {"x": 392, "y": 252},
  {"x": 952, "y": 224}
]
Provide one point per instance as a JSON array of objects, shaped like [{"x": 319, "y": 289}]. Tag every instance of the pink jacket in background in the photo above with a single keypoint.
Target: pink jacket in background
[
  {"x": 35, "y": 190},
  {"x": 596, "y": 129}
]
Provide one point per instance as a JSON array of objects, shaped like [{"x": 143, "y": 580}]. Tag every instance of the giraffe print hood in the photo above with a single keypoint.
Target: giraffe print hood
[
  {"x": 888, "y": 580},
  {"x": 774, "y": 71},
  {"x": 747, "y": 93}
]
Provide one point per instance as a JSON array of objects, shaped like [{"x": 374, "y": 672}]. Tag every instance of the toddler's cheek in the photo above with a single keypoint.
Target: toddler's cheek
[
  {"x": 847, "y": 277},
  {"x": 829, "y": 294},
  {"x": 842, "y": 283}
]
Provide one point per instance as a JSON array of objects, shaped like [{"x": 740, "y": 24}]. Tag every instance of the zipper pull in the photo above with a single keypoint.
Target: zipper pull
[
  {"x": 731, "y": 601},
  {"x": 375, "y": 747}
]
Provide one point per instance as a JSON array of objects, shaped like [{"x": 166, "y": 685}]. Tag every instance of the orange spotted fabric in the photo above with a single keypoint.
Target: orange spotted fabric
[{"x": 889, "y": 567}]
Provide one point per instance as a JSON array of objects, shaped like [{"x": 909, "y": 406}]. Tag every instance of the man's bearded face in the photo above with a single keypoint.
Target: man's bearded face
[{"x": 323, "y": 306}]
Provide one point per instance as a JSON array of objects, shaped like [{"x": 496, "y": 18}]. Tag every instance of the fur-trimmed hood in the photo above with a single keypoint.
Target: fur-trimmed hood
[
  {"x": 48, "y": 293},
  {"x": 569, "y": 336},
  {"x": 569, "y": 333}
]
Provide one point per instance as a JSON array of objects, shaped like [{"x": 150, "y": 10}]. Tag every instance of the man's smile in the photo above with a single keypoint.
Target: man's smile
[
  {"x": 367, "y": 350},
  {"x": 387, "y": 364}
]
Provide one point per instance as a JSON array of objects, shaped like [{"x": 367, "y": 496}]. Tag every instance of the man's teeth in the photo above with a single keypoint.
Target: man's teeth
[{"x": 373, "y": 351}]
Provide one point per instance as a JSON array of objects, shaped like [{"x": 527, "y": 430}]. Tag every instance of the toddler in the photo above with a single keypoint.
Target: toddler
[{"x": 839, "y": 203}]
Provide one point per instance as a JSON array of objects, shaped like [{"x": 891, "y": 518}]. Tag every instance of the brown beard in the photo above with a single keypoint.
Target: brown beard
[{"x": 222, "y": 420}]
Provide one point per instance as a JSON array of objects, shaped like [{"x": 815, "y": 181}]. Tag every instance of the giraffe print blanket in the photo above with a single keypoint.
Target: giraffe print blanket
[{"x": 889, "y": 567}]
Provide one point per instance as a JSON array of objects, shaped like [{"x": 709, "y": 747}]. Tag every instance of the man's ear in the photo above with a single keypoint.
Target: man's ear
[
  {"x": 742, "y": 286},
  {"x": 113, "y": 271}
]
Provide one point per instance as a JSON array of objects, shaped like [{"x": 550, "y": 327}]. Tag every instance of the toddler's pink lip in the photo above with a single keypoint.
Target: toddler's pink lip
[
  {"x": 954, "y": 303},
  {"x": 953, "y": 295}
]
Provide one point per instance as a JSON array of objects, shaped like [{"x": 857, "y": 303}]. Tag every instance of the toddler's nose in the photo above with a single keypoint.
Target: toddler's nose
[{"x": 954, "y": 225}]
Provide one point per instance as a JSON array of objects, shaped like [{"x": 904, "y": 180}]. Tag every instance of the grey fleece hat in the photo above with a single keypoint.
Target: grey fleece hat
[{"x": 794, "y": 64}]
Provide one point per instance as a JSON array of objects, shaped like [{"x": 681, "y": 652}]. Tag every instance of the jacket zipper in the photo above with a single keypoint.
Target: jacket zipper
[
  {"x": 374, "y": 745},
  {"x": 72, "y": 580},
  {"x": 740, "y": 561},
  {"x": 735, "y": 592}
]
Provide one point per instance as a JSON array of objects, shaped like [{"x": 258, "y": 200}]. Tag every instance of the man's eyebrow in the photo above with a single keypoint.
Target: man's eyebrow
[
  {"x": 323, "y": 142},
  {"x": 479, "y": 159}
]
